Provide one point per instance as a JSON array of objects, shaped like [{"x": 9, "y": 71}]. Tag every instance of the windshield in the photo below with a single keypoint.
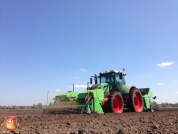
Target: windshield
[{"x": 107, "y": 78}]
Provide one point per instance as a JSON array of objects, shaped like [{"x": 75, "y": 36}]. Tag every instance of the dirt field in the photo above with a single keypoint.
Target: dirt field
[{"x": 34, "y": 122}]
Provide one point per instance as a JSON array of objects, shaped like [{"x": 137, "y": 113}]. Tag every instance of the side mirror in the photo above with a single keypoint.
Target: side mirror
[
  {"x": 96, "y": 81},
  {"x": 154, "y": 97},
  {"x": 120, "y": 75},
  {"x": 90, "y": 80}
]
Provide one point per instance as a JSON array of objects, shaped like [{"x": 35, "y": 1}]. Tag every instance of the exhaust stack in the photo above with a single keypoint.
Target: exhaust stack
[{"x": 73, "y": 87}]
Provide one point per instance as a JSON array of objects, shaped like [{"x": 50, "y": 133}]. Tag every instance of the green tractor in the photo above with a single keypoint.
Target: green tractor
[{"x": 111, "y": 94}]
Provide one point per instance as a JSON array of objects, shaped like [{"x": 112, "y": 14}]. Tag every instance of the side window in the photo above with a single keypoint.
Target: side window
[
  {"x": 103, "y": 79},
  {"x": 118, "y": 79}
]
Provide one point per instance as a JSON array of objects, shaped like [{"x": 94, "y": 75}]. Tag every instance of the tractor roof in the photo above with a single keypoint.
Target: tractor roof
[{"x": 111, "y": 71}]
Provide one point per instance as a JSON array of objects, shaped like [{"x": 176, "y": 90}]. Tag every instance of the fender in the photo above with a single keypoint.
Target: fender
[{"x": 126, "y": 88}]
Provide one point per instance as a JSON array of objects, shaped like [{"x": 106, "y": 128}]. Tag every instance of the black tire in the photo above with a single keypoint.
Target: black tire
[
  {"x": 115, "y": 102},
  {"x": 105, "y": 102},
  {"x": 136, "y": 103},
  {"x": 152, "y": 109}
]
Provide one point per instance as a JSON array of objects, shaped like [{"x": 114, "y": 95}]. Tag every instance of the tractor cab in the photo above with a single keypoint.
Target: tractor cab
[{"x": 115, "y": 79}]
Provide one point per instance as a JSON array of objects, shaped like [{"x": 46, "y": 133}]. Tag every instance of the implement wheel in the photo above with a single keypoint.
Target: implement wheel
[
  {"x": 152, "y": 109},
  {"x": 105, "y": 102},
  {"x": 56, "y": 102},
  {"x": 136, "y": 100},
  {"x": 115, "y": 102}
]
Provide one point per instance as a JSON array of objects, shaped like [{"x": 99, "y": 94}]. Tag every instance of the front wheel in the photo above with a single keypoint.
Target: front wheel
[{"x": 116, "y": 103}]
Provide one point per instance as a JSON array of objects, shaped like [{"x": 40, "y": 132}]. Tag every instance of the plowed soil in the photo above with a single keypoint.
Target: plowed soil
[{"x": 34, "y": 122}]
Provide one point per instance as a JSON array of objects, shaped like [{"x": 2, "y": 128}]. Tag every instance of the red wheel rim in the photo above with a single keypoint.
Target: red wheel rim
[
  {"x": 117, "y": 104},
  {"x": 138, "y": 102}
]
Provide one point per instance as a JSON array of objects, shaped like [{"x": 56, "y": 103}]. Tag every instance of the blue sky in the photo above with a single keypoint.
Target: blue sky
[{"x": 50, "y": 45}]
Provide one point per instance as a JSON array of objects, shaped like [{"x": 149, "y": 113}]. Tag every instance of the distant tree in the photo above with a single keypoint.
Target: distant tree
[
  {"x": 175, "y": 105},
  {"x": 172, "y": 105},
  {"x": 50, "y": 104},
  {"x": 22, "y": 107},
  {"x": 163, "y": 104},
  {"x": 39, "y": 105},
  {"x": 154, "y": 103},
  {"x": 4, "y": 107},
  {"x": 34, "y": 106},
  {"x": 167, "y": 104}
]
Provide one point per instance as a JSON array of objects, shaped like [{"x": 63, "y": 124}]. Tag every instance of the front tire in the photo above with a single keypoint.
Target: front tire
[{"x": 116, "y": 103}]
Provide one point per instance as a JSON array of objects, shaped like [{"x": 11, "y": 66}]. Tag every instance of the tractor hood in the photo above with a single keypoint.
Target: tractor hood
[
  {"x": 98, "y": 86},
  {"x": 95, "y": 86}
]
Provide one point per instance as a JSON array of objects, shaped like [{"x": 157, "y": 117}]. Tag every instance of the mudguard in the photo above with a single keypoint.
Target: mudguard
[{"x": 126, "y": 88}]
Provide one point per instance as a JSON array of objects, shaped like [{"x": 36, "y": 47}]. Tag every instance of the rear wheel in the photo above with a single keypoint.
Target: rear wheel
[
  {"x": 136, "y": 100},
  {"x": 115, "y": 102}
]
